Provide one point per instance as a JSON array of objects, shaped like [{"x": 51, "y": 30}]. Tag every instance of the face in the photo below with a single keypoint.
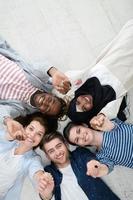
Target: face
[
  {"x": 34, "y": 133},
  {"x": 57, "y": 152},
  {"x": 81, "y": 135},
  {"x": 47, "y": 103},
  {"x": 84, "y": 103}
]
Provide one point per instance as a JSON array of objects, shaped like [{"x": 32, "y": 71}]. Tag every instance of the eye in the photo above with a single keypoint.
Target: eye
[
  {"x": 51, "y": 151},
  {"x": 31, "y": 128},
  {"x": 40, "y": 134},
  {"x": 77, "y": 102},
  {"x": 59, "y": 145},
  {"x": 84, "y": 109}
]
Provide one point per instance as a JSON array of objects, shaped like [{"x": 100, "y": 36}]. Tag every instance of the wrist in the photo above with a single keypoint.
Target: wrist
[
  {"x": 51, "y": 71},
  {"x": 38, "y": 174},
  {"x": 6, "y": 118},
  {"x": 101, "y": 114},
  {"x": 46, "y": 197}
]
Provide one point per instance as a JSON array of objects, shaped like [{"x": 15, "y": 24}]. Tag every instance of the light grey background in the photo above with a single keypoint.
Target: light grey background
[{"x": 69, "y": 33}]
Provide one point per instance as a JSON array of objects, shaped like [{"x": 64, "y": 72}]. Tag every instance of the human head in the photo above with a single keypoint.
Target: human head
[
  {"x": 98, "y": 95},
  {"x": 78, "y": 134},
  {"x": 77, "y": 110},
  {"x": 84, "y": 103},
  {"x": 56, "y": 149},
  {"x": 49, "y": 104},
  {"x": 36, "y": 126}
]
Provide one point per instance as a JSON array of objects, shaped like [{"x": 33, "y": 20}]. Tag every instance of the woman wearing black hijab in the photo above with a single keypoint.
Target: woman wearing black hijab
[
  {"x": 108, "y": 81},
  {"x": 89, "y": 100}
]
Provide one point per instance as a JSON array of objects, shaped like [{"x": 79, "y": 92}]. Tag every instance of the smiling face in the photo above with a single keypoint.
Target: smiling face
[
  {"x": 57, "y": 152},
  {"x": 84, "y": 103},
  {"x": 34, "y": 133},
  {"x": 80, "y": 135},
  {"x": 47, "y": 103}
]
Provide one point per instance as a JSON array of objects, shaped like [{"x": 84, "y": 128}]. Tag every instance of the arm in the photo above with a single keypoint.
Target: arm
[
  {"x": 101, "y": 123},
  {"x": 7, "y": 111},
  {"x": 59, "y": 80},
  {"x": 40, "y": 70},
  {"x": 45, "y": 184},
  {"x": 90, "y": 160},
  {"x": 6, "y": 49},
  {"x": 14, "y": 129},
  {"x": 96, "y": 169},
  {"x": 112, "y": 108},
  {"x": 41, "y": 179}
]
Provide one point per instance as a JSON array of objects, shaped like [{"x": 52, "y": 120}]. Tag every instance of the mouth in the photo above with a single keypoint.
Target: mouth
[
  {"x": 29, "y": 140},
  {"x": 60, "y": 157},
  {"x": 41, "y": 100}
]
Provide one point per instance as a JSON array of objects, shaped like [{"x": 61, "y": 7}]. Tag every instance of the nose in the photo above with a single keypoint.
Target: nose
[
  {"x": 32, "y": 133},
  {"x": 57, "y": 152}
]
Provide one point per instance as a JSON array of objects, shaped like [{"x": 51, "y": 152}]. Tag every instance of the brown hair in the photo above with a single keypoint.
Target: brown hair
[
  {"x": 51, "y": 136},
  {"x": 66, "y": 132},
  {"x": 39, "y": 117}
]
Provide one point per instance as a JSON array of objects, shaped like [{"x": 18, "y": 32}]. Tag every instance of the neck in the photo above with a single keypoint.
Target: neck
[
  {"x": 98, "y": 138},
  {"x": 62, "y": 165}
]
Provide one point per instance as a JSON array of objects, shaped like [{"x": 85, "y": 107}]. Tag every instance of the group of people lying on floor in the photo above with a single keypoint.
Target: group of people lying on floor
[{"x": 29, "y": 114}]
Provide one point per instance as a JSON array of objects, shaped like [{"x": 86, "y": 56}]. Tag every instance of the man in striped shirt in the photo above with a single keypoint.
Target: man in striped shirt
[
  {"x": 114, "y": 144},
  {"x": 26, "y": 88}
]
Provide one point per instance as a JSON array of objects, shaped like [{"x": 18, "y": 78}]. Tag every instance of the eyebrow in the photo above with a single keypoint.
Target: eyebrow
[
  {"x": 50, "y": 150},
  {"x": 54, "y": 147},
  {"x": 41, "y": 132},
  {"x": 37, "y": 131}
]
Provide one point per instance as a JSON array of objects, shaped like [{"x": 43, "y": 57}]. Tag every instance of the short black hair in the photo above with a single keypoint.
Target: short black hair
[{"x": 51, "y": 136}]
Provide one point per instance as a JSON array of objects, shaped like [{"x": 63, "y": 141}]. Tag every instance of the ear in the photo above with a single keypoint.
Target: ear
[{"x": 47, "y": 156}]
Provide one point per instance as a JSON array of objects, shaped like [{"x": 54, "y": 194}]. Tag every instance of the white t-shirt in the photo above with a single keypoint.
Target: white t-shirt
[{"x": 69, "y": 186}]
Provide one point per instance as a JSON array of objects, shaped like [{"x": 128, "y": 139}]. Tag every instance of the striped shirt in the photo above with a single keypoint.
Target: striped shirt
[
  {"x": 13, "y": 82},
  {"x": 117, "y": 146}
]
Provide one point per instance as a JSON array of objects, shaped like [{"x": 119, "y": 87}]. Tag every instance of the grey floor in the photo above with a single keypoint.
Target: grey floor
[{"x": 69, "y": 33}]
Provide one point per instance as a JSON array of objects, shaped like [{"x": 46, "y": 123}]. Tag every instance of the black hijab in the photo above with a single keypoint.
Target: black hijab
[{"x": 101, "y": 96}]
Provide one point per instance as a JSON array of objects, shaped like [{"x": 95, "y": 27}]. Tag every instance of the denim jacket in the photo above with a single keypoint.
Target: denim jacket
[{"x": 94, "y": 188}]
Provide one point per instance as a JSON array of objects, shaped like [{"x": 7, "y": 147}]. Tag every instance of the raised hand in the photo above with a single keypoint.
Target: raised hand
[
  {"x": 60, "y": 81},
  {"x": 15, "y": 129},
  {"x": 97, "y": 122},
  {"x": 96, "y": 169},
  {"x": 101, "y": 123},
  {"x": 45, "y": 184}
]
